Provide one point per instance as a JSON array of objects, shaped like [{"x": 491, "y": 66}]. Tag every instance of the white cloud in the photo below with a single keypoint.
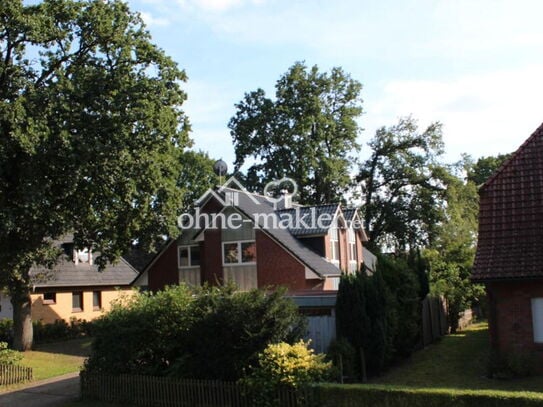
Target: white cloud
[
  {"x": 482, "y": 114},
  {"x": 150, "y": 20},
  {"x": 216, "y": 6}
]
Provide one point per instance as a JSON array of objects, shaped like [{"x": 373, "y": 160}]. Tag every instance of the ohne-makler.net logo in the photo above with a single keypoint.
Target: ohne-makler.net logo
[{"x": 297, "y": 218}]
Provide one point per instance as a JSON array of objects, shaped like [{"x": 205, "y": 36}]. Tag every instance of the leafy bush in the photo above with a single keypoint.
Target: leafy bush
[
  {"x": 203, "y": 333},
  {"x": 9, "y": 356},
  {"x": 6, "y": 330},
  {"x": 289, "y": 365},
  {"x": 282, "y": 365},
  {"x": 61, "y": 330},
  {"x": 343, "y": 355},
  {"x": 380, "y": 315},
  {"x": 231, "y": 328}
]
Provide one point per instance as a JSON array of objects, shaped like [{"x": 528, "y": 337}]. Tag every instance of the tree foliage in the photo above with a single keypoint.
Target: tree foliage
[
  {"x": 91, "y": 131},
  {"x": 480, "y": 171},
  {"x": 400, "y": 185},
  {"x": 201, "y": 333},
  {"x": 308, "y": 133},
  {"x": 452, "y": 253},
  {"x": 196, "y": 176},
  {"x": 380, "y": 315}
]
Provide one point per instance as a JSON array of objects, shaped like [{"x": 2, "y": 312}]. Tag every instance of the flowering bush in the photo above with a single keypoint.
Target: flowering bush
[{"x": 289, "y": 365}]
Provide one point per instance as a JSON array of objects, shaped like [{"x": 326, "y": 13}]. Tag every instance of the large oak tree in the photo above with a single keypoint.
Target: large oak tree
[
  {"x": 401, "y": 185},
  {"x": 308, "y": 132},
  {"x": 91, "y": 135}
]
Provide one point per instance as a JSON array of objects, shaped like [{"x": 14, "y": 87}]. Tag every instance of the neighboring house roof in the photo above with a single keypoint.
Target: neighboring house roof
[
  {"x": 68, "y": 274},
  {"x": 140, "y": 259},
  {"x": 510, "y": 244}
]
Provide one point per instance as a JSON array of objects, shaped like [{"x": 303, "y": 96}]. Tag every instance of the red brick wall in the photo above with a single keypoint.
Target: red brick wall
[
  {"x": 164, "y": 272},
  {"x": 343, "y": 250},
  {"x": 359, "y": 253},
  {"x": 275, "y": 266},
  {"x": 211, "y": 267},
  {"x": 510, "y": 315}
]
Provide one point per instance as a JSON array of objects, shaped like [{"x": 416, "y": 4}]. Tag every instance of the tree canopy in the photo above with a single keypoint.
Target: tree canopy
[
  {"x": 308, "y": 133},
  {"x": 400, "y": 184},
  {"x": 91, "y": 135},
  {"x": 482, "y": 169}
]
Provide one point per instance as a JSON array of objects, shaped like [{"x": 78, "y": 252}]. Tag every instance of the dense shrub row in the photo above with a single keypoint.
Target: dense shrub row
[
  {"x": 199, "y": 333},
  {"x": 330, "y": 395},
  {"x": 378, "y": 317},
  {"x": 57, "y": 331}
]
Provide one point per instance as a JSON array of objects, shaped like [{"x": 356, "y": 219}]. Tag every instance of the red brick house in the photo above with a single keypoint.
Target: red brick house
[
  {"x": 272, "y": 243},
  {"x": 509, "y": 259}
]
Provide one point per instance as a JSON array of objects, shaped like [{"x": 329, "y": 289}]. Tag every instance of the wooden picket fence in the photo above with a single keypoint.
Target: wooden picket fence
[
  {"x": 150, "y": 391},
  {"x": 13, "y": 374}
]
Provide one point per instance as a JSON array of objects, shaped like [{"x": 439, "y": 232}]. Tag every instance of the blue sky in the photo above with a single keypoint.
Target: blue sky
[{"x": 475, "y": 66}]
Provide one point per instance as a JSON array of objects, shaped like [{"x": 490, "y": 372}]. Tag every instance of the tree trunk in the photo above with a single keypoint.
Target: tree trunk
[{"x": 22, "y": 320}]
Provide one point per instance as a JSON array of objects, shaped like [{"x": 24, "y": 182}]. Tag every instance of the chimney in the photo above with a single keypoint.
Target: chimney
[{"x": 287, "y": 199}]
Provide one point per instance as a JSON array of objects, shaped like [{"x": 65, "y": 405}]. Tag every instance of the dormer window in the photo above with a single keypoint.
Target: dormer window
[{"x": 82, "y": 256}]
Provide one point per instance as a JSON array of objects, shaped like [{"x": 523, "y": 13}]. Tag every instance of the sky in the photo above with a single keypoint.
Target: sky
[{"x": 475, "y": 66}]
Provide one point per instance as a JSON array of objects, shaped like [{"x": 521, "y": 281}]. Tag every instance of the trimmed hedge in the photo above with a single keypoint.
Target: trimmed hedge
[{"x": 336, "y": 395}]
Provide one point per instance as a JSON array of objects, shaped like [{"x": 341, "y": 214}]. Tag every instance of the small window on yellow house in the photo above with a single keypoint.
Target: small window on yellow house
[
  {"x": 96, "y": 300},
  {"x": 49, "y": 298},
  {"x": 77, "y": 301}
]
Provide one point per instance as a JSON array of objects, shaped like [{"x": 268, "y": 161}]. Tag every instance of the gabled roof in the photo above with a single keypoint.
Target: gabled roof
[
  {"x": 68, "y": 274},
  {"x": 510, "y": 243},
  {"x": 307, "y": 256}
]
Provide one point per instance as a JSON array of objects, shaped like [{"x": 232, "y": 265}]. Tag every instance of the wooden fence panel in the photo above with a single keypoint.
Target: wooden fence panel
[
  {"x": 167, "y": 392},
  {"x": 13, "y": 374}
]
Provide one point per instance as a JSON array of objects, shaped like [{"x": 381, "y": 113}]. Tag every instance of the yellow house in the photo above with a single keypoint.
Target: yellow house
[{"x": 75, "y": 288}]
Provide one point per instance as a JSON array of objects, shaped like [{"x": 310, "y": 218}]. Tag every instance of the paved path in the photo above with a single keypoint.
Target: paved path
[{"x": 46, "y": 393}]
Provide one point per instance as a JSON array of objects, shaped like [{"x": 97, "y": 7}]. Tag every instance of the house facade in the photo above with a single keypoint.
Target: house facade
[
  {"x": 74, "y": 288},
  {"x": 256, "y": 242},
  {"x": 509, "y": 259}
]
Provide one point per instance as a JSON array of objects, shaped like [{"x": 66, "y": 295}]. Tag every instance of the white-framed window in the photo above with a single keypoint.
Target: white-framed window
[
  {"x": 188, "y": 256},
  {"x": 240, "y": 252},
  {"x": 334, "y": 243},
  {"x": 353, "y": 256},
  {"x": 334, "y": 283},
  {"x": 537, "y": 319}
]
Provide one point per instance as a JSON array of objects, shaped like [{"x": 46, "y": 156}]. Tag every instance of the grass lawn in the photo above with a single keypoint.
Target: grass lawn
[
  {"x": 55, "y": 359},
  {"x": 457, "y": 361}
]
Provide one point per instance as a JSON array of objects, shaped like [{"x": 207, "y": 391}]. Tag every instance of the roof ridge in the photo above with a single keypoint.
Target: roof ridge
[{"x": 514, "y": 155}]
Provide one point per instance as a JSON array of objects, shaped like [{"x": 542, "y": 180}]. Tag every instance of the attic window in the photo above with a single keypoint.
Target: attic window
[{"x": 82, "y": 256}]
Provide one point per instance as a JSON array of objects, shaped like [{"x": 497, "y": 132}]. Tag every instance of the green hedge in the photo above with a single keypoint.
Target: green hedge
[{"x": 336, "y": 395}]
